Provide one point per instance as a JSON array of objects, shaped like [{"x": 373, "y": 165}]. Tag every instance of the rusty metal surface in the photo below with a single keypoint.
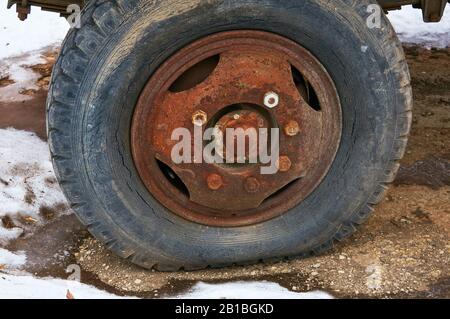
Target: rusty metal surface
[
  {"x": 396, "y": 4},
  {"x": 23, "y": 6},
  {"x": 245, "y": 119},
  {"x": 432, "y": 10},
  {"x": 23, "y": 10},
  {"x": 251, "y": 64}
]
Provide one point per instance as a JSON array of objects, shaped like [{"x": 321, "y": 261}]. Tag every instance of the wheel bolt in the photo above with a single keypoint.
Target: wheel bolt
[
  {"x": 292, "y": 128},
  {"x": 271, "y": 100},
  {"x": 284, "y": 164},
  {"x": 252, "y": 185},
  {"x": 199, "y": 118},
  {"x": 214, "y": 181}
]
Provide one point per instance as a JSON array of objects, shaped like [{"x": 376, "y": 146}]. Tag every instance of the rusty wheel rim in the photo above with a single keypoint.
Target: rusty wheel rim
[{"x": 242, "y": 68}]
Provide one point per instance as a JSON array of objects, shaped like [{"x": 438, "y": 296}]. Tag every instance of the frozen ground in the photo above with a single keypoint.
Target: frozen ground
[
  {"x": 27, "y": 182},
  {"x": 17, "y": 70},
  {"x": 21, "y": 43}
]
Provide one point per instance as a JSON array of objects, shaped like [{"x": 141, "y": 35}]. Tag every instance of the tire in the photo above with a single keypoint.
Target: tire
[{"x": 104, "y": 65}]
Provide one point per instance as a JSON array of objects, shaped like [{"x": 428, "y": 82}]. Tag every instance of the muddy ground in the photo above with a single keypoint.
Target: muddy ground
[{"x": 402, "y": 251}]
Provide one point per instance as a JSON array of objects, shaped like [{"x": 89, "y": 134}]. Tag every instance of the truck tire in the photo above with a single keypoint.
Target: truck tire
[{"x": 97, "y": 108}]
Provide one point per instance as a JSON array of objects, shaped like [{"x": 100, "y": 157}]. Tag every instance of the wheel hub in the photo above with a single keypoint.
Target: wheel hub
[
  {"x": 245, "y": 119},
  {"x": 260, "y": 81}
]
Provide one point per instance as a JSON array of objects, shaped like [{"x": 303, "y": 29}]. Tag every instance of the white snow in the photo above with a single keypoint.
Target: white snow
[
  {"x": 248, "y": 290},
  {"x": 11, "y": 260},
  {"x": 39, "y": 30},
  {"x": 18, "y": 69},
  {"x": 25, "y": 172},
  {"x": 408, "y": 23},
  {"x": 28, "y": 287},
  {"x": 21, "y": 45}
]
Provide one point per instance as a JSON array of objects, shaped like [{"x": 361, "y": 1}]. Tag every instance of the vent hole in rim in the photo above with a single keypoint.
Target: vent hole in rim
[
  {"x": 195, "y": 74},
  {"x": 281, "y": 190},
  {"x": 173, "y": 178},
  {"x": 305, "y": 89}
]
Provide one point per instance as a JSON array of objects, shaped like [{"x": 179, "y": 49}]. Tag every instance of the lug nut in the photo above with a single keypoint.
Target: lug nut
[
  {"x": 284, "y": 163},
  {"x": 292, "y": 128},
  {"x": 252, "y": 185},
  {"x": 214, "y": 181},
  {"x": 271, "y": 100},
  {"x": 199, "y": 118}
]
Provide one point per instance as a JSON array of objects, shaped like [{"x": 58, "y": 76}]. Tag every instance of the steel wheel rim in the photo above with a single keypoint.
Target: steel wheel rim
[{"x": 259, "y": 60}]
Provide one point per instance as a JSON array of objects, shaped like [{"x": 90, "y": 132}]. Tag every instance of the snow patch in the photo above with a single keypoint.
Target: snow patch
[
  {"x": 21, "y": 45},
  {"x": 408, "y": 23},
  {"x": 28, "y": 287},
  {"x": 39, "y": 30},
  {"x": 27, "y": 183},
  {"x": 9, "y": 234},
  {"x": 18, "y": 69},
  {"x": 11, "y": 260},
  {"x": 246, "y": 290}
]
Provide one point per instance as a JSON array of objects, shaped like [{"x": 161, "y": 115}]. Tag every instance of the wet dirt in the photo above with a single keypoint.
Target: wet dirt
[
  {"x": 403, "y": 251},
  {"x": 29, "y": 114},
  {"x": 26, "y": 115},
  {"x": 432, "y": 171}
]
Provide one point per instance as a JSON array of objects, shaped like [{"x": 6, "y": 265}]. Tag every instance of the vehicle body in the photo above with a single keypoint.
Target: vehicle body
[
  {"x": 432, "y": 9},
  {"x": 331, "y": 88}
]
